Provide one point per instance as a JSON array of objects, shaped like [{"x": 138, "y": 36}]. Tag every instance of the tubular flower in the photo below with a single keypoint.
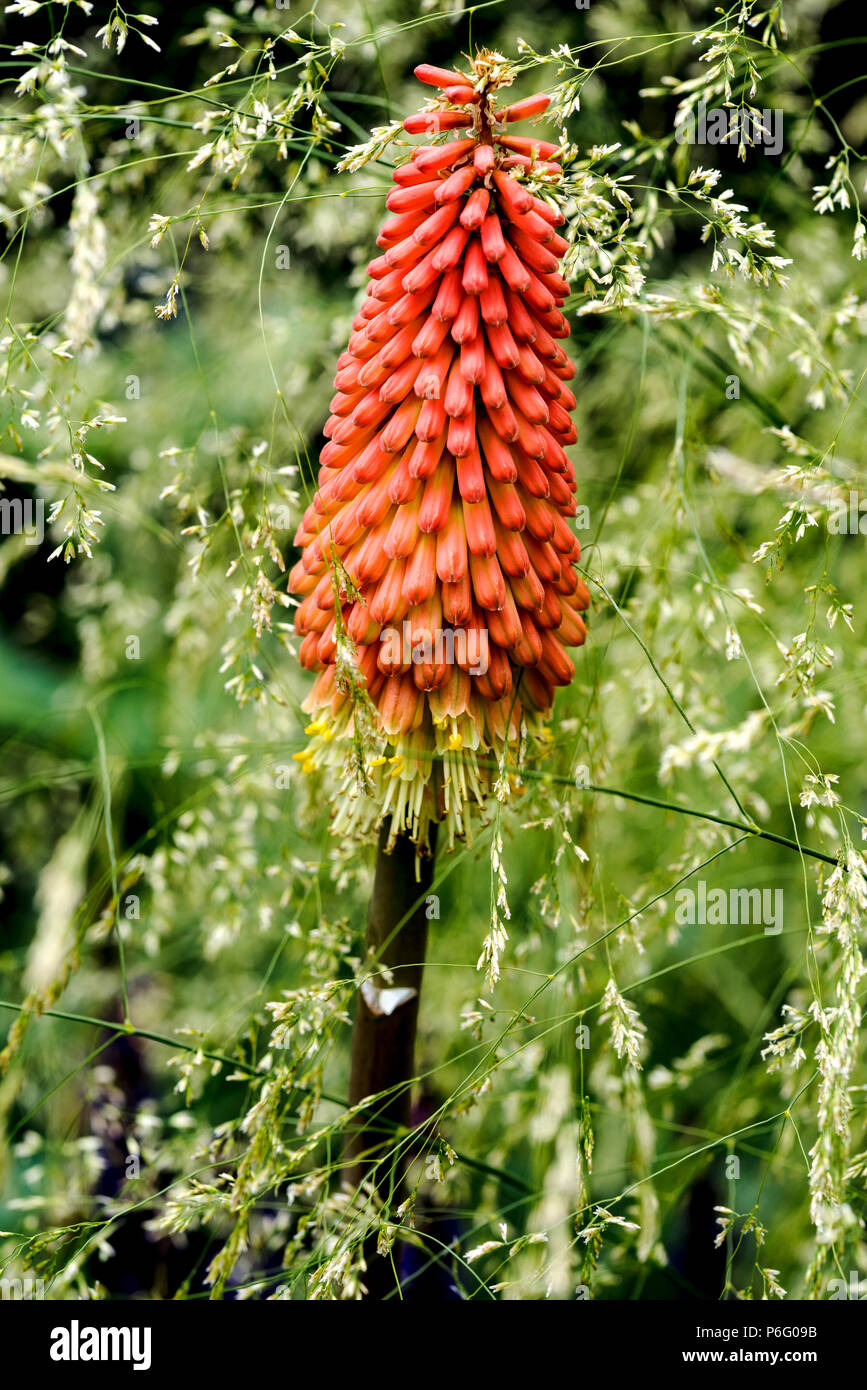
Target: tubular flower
[{"x": 437, "y": 581}]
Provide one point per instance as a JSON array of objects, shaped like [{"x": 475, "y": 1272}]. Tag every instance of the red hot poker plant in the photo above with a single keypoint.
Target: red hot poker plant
[{"x": 437, "y": 576}]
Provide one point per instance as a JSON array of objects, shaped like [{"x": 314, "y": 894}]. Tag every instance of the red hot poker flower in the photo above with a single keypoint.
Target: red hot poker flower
[{"x": 437, "y": 582}]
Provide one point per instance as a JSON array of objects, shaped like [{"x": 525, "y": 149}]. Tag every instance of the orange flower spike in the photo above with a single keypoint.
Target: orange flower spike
[{"x": 440, "y": 517}]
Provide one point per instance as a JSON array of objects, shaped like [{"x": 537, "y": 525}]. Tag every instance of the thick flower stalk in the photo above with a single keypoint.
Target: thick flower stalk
[{"x": 437, "y": 578}]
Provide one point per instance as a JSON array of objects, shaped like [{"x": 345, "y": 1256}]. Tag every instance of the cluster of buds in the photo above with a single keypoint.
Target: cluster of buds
[{"x": 437, "y": 574}]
